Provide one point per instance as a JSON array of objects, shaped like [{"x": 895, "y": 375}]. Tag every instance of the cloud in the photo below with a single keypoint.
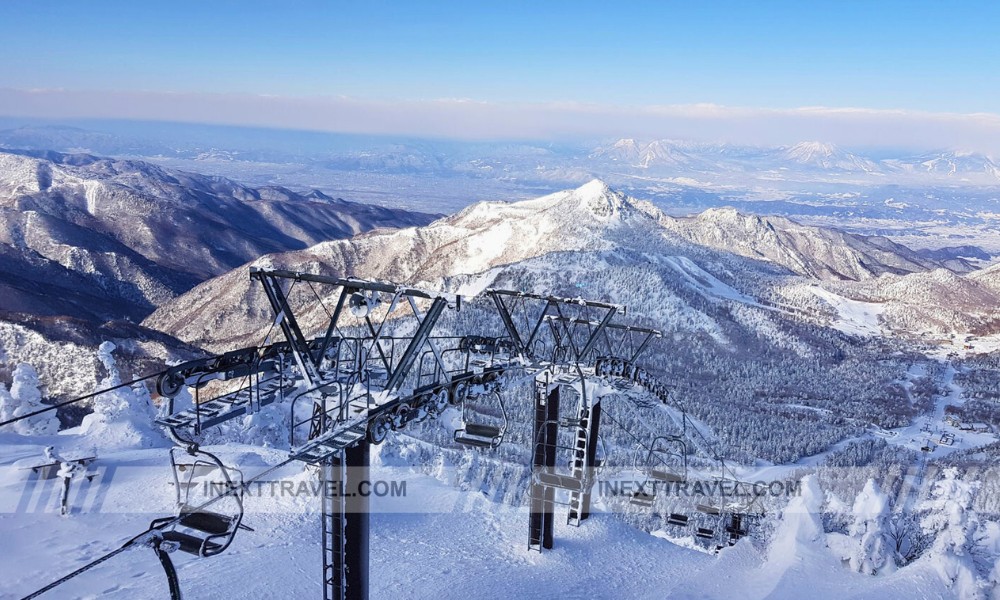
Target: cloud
[{"x": 464, "y": 118}]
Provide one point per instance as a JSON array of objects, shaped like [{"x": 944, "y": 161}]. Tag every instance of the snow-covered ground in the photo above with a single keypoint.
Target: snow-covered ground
[
  {"x": 855, "y": 317},
  {"x": 439, "y": 541}
]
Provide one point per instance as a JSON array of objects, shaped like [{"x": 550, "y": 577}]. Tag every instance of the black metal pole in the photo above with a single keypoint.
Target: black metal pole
[
  {"x": 173, "y": 585},
  {"x": 546, "y": 429},
  {"x": 356, "y": 540},
  {"x": 592, "y": 439}
]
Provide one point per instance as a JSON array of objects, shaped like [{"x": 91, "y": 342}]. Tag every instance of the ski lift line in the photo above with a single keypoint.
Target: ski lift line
[
  {"x": 81, "y": 398},
  {"x": 724, "y": 469},
  {"x": 97, "y": 393},
  {"x": 131, "y": 543},
  {"x": 320, "y": 300}
]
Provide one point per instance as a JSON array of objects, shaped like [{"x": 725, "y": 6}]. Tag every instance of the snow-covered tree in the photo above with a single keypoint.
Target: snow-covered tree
[
  {"x": 27, "y": 398},
  {"x": 121, "y": 417},
  {"x": 995, "y": 580},
  {"x": 874, "y": 552},
  {"x": 954, "y": 524},
  {"x": 801, "y": 526},
  {"x": 6, "y": 403}
]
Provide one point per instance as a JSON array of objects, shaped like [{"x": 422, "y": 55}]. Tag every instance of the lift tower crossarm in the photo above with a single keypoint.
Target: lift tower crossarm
[
  {"x": 353, "y": 284},
  {"x": 552, "y": 305},
  {"x": 396, "y": 373},
  {"x": 605, "y": 326}
]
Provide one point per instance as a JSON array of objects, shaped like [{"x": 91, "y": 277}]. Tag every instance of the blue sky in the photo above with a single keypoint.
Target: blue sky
[{"x": 913, "y": 56}]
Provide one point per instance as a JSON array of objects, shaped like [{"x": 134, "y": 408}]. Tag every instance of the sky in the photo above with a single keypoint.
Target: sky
[{"x": 927, "y": 70}]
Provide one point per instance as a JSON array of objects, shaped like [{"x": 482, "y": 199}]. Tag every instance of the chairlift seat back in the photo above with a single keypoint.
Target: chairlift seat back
[
  {"x": 665, "y": 476},
  {"x": 481, "y": 430},
  {"x": 642, "y": 499},
  {"x": 677, "y": 519},
  {"x": 708, "y": 509},
  {"x": 473, "y": 441},
  {"x": 207, "y": 522}
]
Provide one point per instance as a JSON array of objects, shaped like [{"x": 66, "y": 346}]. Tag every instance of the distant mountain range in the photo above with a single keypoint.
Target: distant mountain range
[
  {"x": 806, "y": 157},
  {"x": 101, "y": 239},
  {"x": 558, "y": 231},
  {"x": 751, "y": 306},
  {"x": 487, "y": 160}
]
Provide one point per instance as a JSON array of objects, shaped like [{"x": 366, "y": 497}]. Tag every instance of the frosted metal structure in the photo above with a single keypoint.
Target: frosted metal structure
[{"x": 360, "y": 379}]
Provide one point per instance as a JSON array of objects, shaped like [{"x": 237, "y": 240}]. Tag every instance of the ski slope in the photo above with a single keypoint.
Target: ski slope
[{"x": 854, "y": 317}]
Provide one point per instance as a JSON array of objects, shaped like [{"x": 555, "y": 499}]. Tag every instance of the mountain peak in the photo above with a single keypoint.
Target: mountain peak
[
  {"x": 827, "y": 156},
  {"x": 594, "y": 188},
  {"x": 598, "y": 199},
  {"x": 810, "y": 151}
]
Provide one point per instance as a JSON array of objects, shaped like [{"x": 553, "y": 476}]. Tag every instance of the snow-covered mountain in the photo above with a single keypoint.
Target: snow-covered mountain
[
  {"x": 952, "y": 164},
  {"x": 102, "y": 238},
  {"x": 751, "y": 307},
  {"x": 567, "y": 227},
  {"x": 827, "y": 156},
  {"x": 654, "y": 154},
  {"x": 823, "y": 253},
  {"x": 804, "y": 159},
  {"x": 479, "y": 238}
]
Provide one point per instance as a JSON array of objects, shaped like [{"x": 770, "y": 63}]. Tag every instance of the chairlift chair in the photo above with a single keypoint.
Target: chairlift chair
[
  {"x": 677, "y": 519},
  {"x": 709, "y": 509},
  {"x": 642, "y": 499},
  {"x": 655, "y": 467},
  {"x": 736, "y": 528},
  {"x": 202, "y": 532},
  {"x": 475, "y": 432}
]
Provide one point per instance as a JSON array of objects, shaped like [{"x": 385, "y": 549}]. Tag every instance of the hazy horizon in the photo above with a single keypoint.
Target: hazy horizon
[{"x": 893, "y": 74}]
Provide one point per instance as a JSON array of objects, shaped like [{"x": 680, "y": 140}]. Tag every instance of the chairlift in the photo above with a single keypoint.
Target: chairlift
[
  {"x": 653, "y": 465},
  {"x": 642, "y": 499},
  {"x": 677, "y": 520},
  {"x": 709, "y": 509},
  {"x": 673, "y": 471},
  {"x": 736, "y": 528},
  {"x": 201, "y": 532},
  {"x": 479, "y": 433}
]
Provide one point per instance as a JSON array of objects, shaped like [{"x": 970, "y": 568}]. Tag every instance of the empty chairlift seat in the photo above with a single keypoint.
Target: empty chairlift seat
[
  {"x": 480, "y": 430},
  {"x": 666, "y": 476},
  {"x": 642, "y": 499},
  {"x": 479, "y": 435},
  {"x": 678, "y": 520},
  {"x": 202, "y": 532}
]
